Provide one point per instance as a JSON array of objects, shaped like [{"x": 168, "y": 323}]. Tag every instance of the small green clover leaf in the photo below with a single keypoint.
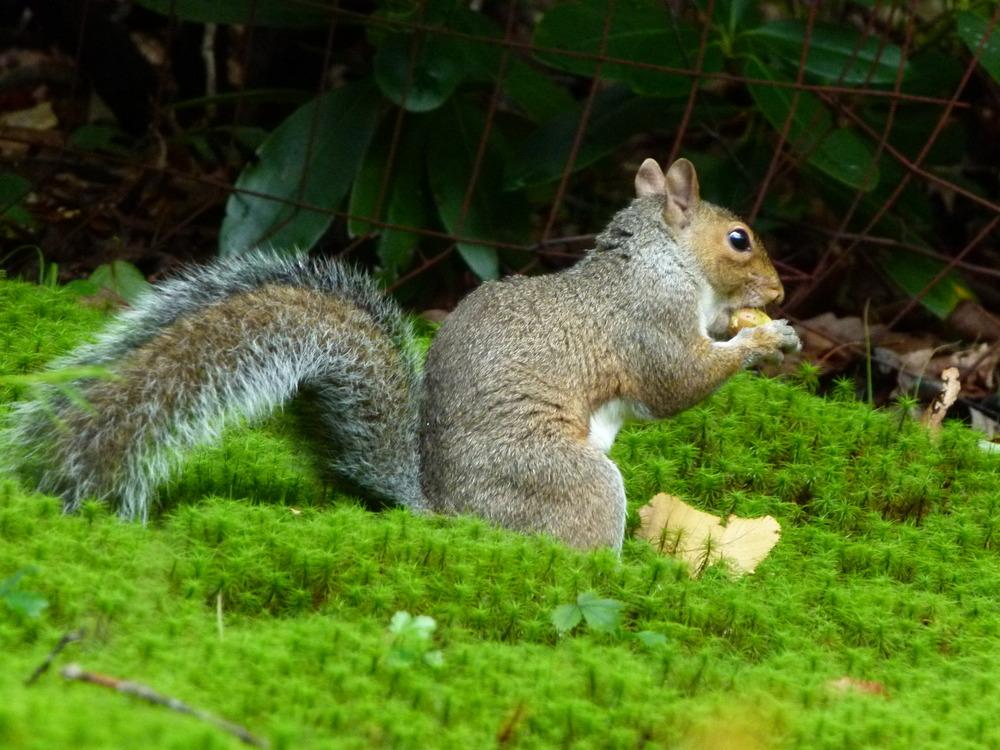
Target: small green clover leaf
[
  {"x": 25, "y": 603},
  {"x": 412, "y": 641},
  {"x": 602, "y": 615}
]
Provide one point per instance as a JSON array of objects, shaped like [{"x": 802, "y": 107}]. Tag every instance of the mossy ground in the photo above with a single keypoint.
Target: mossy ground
[{"x": 887, "y": 570}]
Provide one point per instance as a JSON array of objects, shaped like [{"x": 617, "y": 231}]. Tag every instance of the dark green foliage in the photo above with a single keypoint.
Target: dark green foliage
[
  {"x": 311, "y": 158},
  {"x": 468, "y": 203},
  {"x": 13, "y": 190},
  {"x": 887, "y": 570},
  {"x": 913, "y": 273},
  {"x": 615, "y": 114},
  {"x": 121, "y": 278},
  {"x": 437, "y": 74},
  {"x": 418, "y": 77},
  {"x": 637, "y": 32},
  {"x": 973, "y": 28},
  {"x": 838, "y": 152},
  {"x": 836, "y": 53},
  {"x": 404, "y": 200},
  {"x": 276, "y": 13}
]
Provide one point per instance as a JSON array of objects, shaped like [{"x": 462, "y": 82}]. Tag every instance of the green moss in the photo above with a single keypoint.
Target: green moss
[
  {"x": 887, "y": 570},
  {"x": 36, "y": 324}
]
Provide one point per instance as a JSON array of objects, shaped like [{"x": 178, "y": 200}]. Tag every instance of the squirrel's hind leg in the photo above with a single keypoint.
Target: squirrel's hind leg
[
  {"x": 587, "y": 509},
  {"x": 580, "y": 501}
]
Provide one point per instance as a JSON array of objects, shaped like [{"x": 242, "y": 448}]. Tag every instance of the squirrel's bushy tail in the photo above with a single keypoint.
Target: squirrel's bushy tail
[{"x": 226, "y": 342}]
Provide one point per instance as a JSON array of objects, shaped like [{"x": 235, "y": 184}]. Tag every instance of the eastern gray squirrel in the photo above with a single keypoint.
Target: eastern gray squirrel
[{"x": 521, "y": 395}]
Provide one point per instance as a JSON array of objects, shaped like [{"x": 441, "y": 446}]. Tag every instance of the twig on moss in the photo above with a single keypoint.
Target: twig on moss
[
  {"x": 137, "y": 690},
  {"x": 218, "y": 615},
  {"x": 511, "y": 724},
  {"x": 70, "y": 637},
  {"x": 933, "y": 416}
]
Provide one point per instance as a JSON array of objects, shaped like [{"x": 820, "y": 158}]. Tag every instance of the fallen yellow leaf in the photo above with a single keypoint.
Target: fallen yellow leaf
[{"x": 700, "y": 539}]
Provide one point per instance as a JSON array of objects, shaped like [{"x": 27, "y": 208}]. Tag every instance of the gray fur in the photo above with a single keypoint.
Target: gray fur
[
  {"x": 366, "y": 406},
  {"x": 199, "y": 286}
]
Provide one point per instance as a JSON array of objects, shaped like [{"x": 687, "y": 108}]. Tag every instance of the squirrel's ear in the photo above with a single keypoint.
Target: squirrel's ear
[
  {"x": 682, "y": 192},
  {"x": 649, "y": 180}
]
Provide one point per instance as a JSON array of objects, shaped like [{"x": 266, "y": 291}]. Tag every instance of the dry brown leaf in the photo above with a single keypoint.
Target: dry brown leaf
[
  {"x": 851, "y": 685},
  {"x": 700, "y": 539},
  {"x": 974, "y": 322},
  {"x": 918, "y": 369},
  {"x": 979, "y": 365},
  {"x": 915, "y": 362},
  {"x": 826, "y": 336},
  {"x": 936, "y": 409}
]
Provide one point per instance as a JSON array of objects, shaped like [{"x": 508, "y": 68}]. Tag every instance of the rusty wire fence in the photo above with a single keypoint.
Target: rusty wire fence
[{"x": 717, "y": 107}]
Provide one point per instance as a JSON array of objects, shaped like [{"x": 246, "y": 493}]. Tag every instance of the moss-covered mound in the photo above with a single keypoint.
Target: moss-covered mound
[{"x": 263, "y": 597}]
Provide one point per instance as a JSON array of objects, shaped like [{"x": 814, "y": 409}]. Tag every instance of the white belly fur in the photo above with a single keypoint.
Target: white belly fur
[{"x": 606, "y": 420}]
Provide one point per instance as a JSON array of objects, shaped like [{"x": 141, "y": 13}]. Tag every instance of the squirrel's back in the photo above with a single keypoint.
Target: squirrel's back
[{"x": 225, "y": 342}]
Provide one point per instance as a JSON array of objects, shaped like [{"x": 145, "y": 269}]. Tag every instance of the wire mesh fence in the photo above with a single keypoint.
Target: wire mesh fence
[{"x": 488, "y": 138}]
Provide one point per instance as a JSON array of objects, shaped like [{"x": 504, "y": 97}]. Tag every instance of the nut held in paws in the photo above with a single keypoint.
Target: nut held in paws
[{"x": 747, "y": 317}]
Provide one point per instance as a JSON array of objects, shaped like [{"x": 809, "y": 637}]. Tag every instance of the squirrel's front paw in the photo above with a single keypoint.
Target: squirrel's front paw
[
  {"x": 771, "y": 341},
  {"x": 788, "y": 340}
]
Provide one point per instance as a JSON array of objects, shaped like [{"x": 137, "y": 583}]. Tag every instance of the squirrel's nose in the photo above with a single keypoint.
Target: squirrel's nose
[{"x": 774, "y": 292}]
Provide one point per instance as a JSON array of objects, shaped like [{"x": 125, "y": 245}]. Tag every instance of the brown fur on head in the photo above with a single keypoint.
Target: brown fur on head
[{"x": 731, "y": 255}]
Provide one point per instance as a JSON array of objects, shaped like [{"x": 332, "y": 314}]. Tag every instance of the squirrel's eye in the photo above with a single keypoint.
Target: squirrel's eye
[{"x": 739, "y": 240}]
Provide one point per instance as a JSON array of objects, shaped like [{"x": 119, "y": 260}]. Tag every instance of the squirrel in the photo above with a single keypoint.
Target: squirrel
[{"x": 512, "y": 414}]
